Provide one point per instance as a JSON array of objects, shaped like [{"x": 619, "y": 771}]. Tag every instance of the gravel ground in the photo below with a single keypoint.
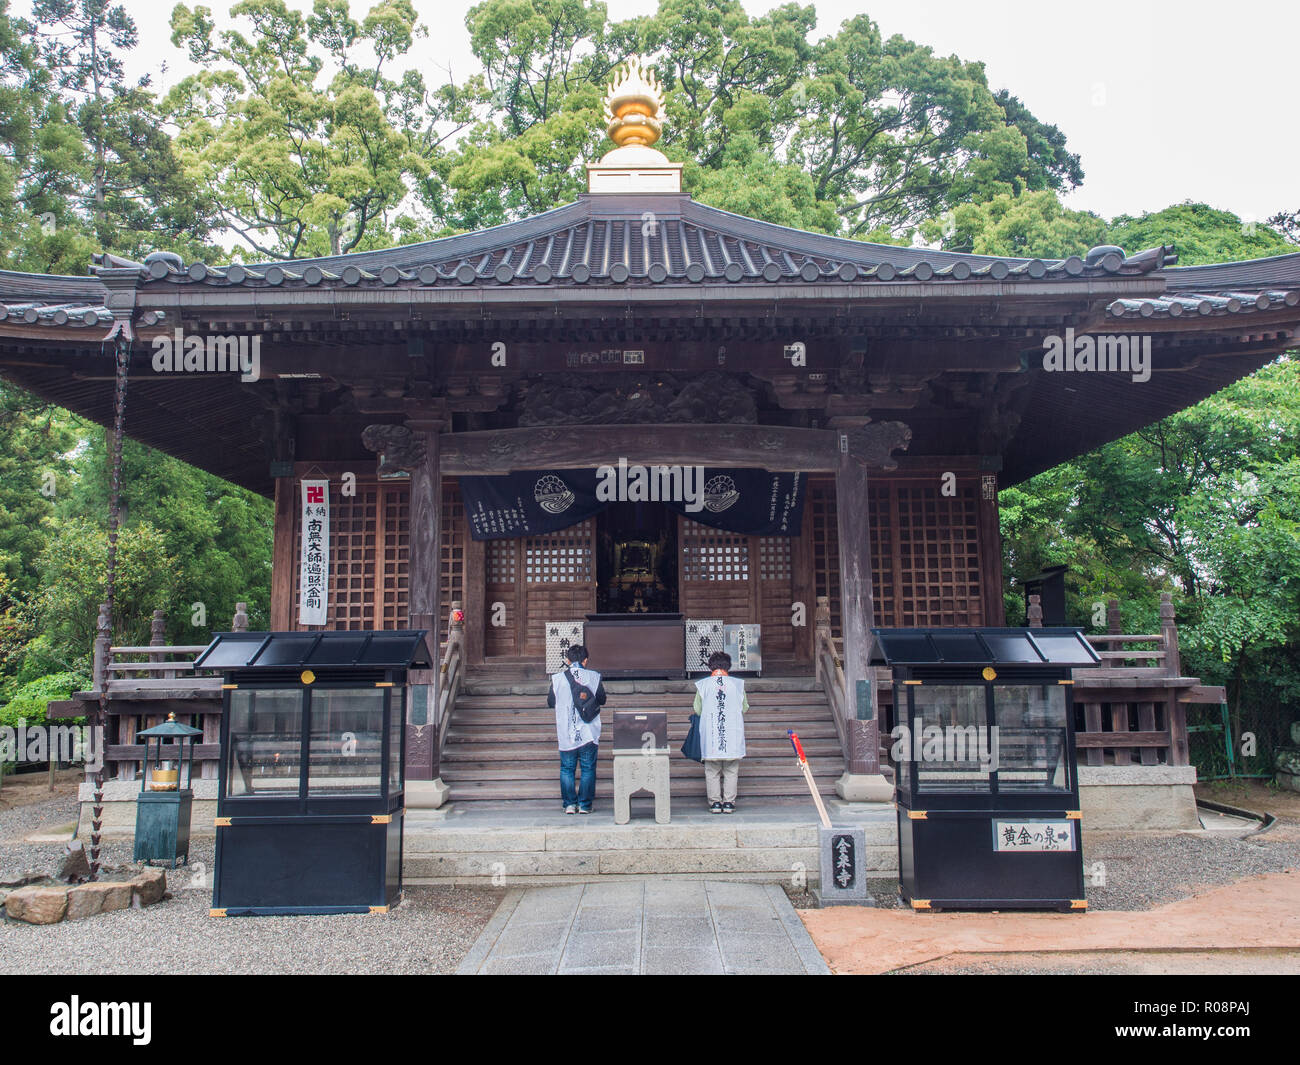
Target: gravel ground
[
  {"x": 1145, "y": 871},
  {"x": 429, "y": 932},
  {"x": 17, "y": 857}
]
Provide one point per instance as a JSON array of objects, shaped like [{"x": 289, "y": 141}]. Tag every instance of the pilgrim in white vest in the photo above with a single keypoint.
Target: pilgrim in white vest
[
  {"x": 721, "y": 702},
  {"x": 577, "y": 694}
]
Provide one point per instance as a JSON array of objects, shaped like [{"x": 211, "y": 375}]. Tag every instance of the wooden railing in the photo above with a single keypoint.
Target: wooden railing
[
  {"x": 147, "y": 682},
  {"x": 1132, "y": 710},
  {"x": 829, "y": 666},
  {"x": 144, "y": 684},
  {"x": 451, "y": 670}
]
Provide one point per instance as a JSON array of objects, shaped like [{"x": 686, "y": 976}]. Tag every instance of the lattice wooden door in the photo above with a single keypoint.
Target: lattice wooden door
[{"x": 715, "y": 573}]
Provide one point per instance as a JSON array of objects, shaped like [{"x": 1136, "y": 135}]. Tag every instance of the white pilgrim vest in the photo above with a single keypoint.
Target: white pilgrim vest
[
  {"x": 722, "y": 724},
  {"x": 571, "y": 731}
]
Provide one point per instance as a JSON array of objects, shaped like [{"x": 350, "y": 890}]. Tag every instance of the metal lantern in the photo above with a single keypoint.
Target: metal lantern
[{"x": 162, "y": 819}]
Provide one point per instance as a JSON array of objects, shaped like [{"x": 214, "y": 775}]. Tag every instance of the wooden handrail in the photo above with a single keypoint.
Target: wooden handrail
[
  {"x": 830, "y": 670},
  {"x": 450, "y": 669}
]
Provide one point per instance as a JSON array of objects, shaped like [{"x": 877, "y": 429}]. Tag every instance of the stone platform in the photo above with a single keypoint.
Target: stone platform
[{"x": 510, "y": 844}]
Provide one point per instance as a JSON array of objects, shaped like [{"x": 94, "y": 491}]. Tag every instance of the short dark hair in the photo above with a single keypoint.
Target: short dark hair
[
  {"x": 576, "y": 653},
  {"x": 720, "y": 660}
]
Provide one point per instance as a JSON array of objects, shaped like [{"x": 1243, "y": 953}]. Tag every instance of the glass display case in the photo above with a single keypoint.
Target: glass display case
[
  {"x": 310, "y": 800},
  {"x": 987, "y": 783}
]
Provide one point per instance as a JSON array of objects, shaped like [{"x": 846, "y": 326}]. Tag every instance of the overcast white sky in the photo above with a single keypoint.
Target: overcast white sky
[{"x": 1164, "y": 102}]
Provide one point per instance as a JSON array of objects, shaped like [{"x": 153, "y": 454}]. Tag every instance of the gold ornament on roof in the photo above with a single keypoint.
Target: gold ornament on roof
[{"x": 634, "y": 105}]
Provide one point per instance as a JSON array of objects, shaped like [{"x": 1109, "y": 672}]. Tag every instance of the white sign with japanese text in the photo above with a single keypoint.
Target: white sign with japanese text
[
  {"x": 315, "y": 568},
  {"x": 1034, "y": 836}
]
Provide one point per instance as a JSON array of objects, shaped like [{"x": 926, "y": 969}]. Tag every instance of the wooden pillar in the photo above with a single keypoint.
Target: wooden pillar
[
  {"x": 803, "y": 586},
  {"x": 857, "y": 613},
  {"x": 283, "y": 554},
  {"x": 1169, "y": 635},
  {"x": 425, "y": 596},
  {"x": 475, "y": 592},
  {"x": 990, "y": 541}
]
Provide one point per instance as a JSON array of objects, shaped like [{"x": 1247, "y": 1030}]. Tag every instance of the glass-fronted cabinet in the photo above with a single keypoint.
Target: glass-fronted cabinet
[
  {"x": 987, "y": 782},
  {"x": 310, "y": 806}
]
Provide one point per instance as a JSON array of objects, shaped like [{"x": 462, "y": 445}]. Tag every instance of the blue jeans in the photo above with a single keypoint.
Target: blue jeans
[{"x": 580, "y": 796}]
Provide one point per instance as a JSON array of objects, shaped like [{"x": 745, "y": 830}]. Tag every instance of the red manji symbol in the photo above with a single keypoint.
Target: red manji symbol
[{"x": 316, "y": 494}]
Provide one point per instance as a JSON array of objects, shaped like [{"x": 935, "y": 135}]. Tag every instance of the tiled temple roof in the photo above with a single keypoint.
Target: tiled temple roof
[
  {"x": 648, "y": 240},
  {"x": 663, "y": 240},
  {"x": 1220, "y": 289},
  {"x": 50, "y": 299}
]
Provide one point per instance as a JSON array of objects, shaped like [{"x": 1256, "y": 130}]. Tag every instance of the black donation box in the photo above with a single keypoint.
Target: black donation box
[
  {"x": 309, "y": 812},
  {"x": 987, "y": 782}
]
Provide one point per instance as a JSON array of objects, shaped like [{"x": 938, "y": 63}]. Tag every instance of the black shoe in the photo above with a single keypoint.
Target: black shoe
[
  {"x": 728, "y": 807},
  {"x": 715, "y": 807}
]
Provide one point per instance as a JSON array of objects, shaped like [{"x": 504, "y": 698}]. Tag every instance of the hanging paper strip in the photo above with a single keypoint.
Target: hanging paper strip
[{"x": 315, "y": 567}]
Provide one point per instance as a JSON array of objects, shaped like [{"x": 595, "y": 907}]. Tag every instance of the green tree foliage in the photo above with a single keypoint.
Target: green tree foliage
[
  {"x": 300, "y": 161},
  {"x": 1032, "y": 224},
  {"x": 27, "y": 705},
  {"x": 215, "y": 536},
  {"x": 36, "y": 467},
  {"x": 1200, "y": 233},
  {"x": 884, "y": 133},
  {"x": 73, "y": 571},
  {"x": 1205, "y": 503}
]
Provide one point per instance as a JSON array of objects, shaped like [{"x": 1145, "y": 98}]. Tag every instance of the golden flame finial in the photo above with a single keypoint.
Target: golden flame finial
[{"x": 634, "y": 105}]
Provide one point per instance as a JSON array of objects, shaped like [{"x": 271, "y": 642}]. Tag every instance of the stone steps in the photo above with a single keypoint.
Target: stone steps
[
  {"x": 500, "y": 741},
  {"x": 774, "y": 842}
]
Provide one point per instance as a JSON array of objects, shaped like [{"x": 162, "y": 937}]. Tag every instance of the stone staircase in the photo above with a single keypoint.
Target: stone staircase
[{"x": 501, "y": 739}]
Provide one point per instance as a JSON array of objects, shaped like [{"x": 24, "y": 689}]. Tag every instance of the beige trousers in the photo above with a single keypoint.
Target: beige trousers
[{"x": 720, "y": 778}]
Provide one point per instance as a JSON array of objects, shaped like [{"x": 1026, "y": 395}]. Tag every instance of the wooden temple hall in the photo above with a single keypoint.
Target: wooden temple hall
[{"x": 658, "y": 424}]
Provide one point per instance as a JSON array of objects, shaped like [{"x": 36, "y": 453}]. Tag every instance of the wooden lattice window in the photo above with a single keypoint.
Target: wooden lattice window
[
  {"x": 714, "y": 555},
  {"x": 352, "y": 557},
  {"x": 774, "y": 558},
  {"x": 825, "y": 546},
  {"x": 882, "y": 521},
  {"x": 370, "y": 547},
  {"x": 562, "y": 557},
  {"x": 394, "y": 585},
  {"x": 939, "y": 565},
  {"x": 501, "y": 556},
  {"x": 924, "y": 552},
  {"x": 452, "y": 576}
]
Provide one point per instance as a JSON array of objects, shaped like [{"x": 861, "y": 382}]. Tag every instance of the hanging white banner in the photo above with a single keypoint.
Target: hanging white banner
[{"x": 314, "y": 577}]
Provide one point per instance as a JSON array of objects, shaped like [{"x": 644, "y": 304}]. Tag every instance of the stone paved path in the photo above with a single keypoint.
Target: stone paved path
[{"x": 647, "y": 927}]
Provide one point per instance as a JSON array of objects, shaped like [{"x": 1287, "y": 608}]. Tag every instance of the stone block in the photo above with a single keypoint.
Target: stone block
[
  {"x": 149, "y": 887},
  {"x": 844, "y": 864},
  {"x": 37, "y": 905},
  {"x": 426, "y": 794},
  {"x": 449, "y": 840},
  {"x": 864, "y": 787},
  {"x": 86, "y": 900}
]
